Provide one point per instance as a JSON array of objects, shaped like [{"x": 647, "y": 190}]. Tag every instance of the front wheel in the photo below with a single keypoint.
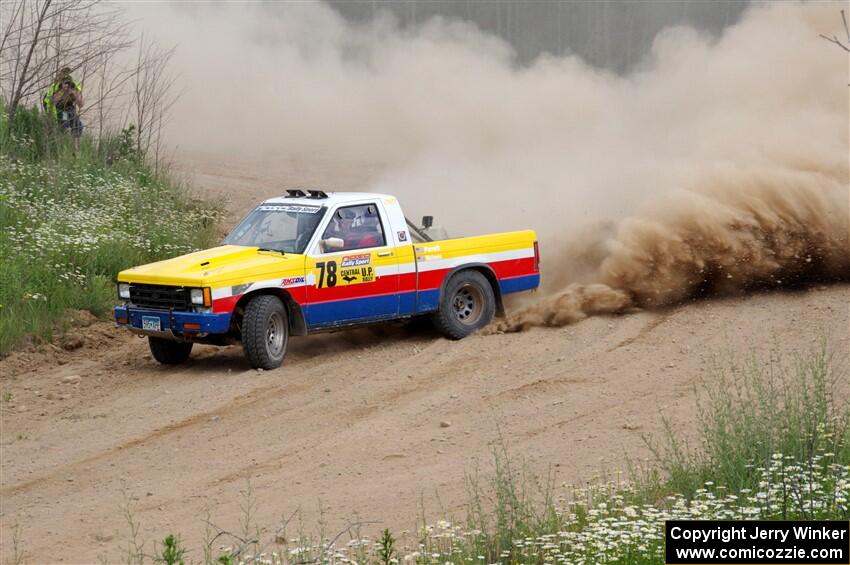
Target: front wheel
[
  {"x": 169, "y": 352},
  {"x": 265, "y": 332},
  {"x": 467, "y": 304}
]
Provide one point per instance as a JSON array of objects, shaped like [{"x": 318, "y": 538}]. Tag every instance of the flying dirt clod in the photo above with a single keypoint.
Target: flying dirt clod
[{"x": 746, "y": 231}]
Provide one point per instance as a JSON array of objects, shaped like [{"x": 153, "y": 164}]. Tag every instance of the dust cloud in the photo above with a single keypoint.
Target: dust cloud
[
  {"x": 771, "y": 230},
  {"x": 718, "y": 165}
]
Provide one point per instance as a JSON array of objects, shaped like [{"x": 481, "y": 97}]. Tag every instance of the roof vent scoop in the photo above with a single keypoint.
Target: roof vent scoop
[{"x": 298, "y": 193}]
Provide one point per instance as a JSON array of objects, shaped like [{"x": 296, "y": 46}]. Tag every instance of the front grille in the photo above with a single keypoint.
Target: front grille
[{"x": 160, "y": 297}]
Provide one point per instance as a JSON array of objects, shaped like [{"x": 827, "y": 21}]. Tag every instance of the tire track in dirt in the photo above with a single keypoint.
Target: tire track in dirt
[
  {"x": 659, "y": 319},
  {"x": 242, "y": 402},
  {"x": 559, "y": 396}
]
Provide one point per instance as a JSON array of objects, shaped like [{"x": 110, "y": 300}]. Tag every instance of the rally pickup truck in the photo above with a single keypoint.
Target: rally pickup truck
[{"x": 314, "y": 261}]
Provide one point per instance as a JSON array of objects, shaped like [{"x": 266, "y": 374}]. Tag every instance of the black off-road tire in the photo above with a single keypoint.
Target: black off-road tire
[
  {"x": 169, "y": 352},
  {"x": 467, "y": 304},
  {"x": 265, "y": 332}
]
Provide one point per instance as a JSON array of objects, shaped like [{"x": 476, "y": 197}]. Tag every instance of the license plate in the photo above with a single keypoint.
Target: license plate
[{"x": 152, "y": 323}]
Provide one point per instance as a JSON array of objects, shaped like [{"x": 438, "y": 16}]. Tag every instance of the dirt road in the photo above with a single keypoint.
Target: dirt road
[{"x": 366, "y": 422}]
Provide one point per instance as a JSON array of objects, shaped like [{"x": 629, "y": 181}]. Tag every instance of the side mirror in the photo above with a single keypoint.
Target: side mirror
[
  {"x": 332, "y": 244},
  {"x": 427, "y": 221}
]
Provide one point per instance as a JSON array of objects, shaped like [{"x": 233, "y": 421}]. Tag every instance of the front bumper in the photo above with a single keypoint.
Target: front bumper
[{"x": 172, "y": 324}]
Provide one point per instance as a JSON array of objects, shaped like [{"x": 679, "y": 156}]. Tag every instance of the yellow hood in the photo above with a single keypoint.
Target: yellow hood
[{"x": 219, "y": 266}]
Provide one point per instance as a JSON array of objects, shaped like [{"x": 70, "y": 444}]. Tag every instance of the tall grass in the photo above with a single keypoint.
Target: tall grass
[
  {"x": 750, "y": 410},
  {"x": 69, "y": 222}
]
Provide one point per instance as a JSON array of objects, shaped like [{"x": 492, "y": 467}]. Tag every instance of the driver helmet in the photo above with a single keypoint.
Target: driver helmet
[
  {"x": 370, "y": 219},
  {"x": 344, "y": 220}
]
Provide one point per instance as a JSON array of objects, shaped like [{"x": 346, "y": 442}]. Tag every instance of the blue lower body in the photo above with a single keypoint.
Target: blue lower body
[
  {"x": 352, "y": 311},
  {"x": 427, "y": 301},
  {"x": 519, "y": 284},
  {"x": 172, "y": 321},
  {"x": 360, "y": 310}
]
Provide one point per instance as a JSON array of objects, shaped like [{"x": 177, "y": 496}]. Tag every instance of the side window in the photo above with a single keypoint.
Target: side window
[{"x": 359, "y": 227}]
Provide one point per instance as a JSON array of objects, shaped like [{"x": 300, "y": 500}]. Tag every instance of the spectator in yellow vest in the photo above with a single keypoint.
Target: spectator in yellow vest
[{"x": 63, "y": 99}]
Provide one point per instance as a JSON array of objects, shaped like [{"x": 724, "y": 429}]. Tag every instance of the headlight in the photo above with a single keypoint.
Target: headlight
[
  {"x": 201, "y": 296},
  {"x": 124, "y": 290},
  {"x": 197, "y": 295}
]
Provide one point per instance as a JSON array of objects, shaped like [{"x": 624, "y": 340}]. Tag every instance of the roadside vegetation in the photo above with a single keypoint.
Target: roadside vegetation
[
  {"x": 772, "y": 443},
  {"x": 69, "y": 223}
]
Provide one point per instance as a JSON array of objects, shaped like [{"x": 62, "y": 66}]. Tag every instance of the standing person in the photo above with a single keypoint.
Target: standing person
[{"x": 64, "y": 98}]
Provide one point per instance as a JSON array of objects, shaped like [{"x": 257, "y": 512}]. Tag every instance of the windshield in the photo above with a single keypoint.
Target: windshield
[{"x": 282, "y": 227}]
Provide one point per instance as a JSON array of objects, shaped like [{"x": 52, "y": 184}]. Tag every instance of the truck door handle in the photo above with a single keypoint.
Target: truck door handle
[{"x": 385, "y": 253}]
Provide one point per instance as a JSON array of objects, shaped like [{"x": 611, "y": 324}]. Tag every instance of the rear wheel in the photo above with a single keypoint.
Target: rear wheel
[
  {"x": 467, "y": 304},
  {"x": 169, "y": 352},
  {"x": 265, "y": 332}
]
